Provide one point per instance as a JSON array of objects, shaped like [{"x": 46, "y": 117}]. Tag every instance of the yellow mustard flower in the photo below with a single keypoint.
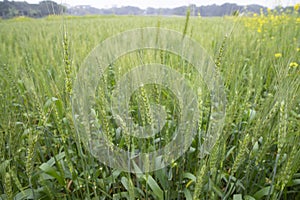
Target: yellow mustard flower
[
  {"x": 294, "y": 64},
  {"x": 296, "y": 7},
  {"x": 298, "y": 49},
  {"x": 278, "y": 55}
]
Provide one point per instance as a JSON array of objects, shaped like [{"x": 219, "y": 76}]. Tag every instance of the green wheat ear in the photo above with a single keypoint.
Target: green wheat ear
[
  {"x": 200, "y": 181},
  {"x": 243, "y": 150},
  {"x": 33, "y": 138},
  {"x": 187, "y": 18},
  {"x": 221, "y": 52},
  {"x": 8, "y": 186},
  {"x": 16, "y": 180},
  {"x": 282, "y": 133},
  {"x": 68, "y": 68}
]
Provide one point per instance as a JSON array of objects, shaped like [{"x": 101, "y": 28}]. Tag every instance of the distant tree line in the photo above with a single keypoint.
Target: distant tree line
[
  {"x": 205, "y": 11},
  {"x": 9, "y": 9}
]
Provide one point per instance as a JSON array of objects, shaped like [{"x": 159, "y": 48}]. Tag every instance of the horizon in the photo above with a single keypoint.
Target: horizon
[{"x": 143, "y": 4}]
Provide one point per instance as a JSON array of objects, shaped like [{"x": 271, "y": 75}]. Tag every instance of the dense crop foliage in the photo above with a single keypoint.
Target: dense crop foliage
[{"x": 256, "y": 157}]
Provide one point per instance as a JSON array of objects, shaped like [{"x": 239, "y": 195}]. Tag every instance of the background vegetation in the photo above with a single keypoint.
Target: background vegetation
[
  {"x": 256, "y": 157},
  {"x": 10, "y": 9}
]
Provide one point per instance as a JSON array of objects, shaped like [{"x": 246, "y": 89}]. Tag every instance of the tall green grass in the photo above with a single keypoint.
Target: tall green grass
[{"x": 256, "y": 157}]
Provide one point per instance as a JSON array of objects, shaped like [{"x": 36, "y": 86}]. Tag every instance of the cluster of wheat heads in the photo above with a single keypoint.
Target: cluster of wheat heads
[{"x": 256, "y": 157}]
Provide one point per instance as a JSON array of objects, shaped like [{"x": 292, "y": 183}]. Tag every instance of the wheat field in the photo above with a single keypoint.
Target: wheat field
[{"x": 256, "y": 155}]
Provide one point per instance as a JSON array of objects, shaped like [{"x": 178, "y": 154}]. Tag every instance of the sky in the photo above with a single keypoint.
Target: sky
[{"x": 168, "y": 3}]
